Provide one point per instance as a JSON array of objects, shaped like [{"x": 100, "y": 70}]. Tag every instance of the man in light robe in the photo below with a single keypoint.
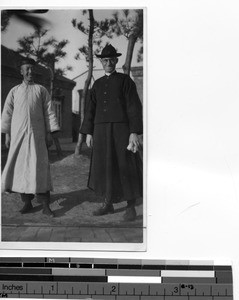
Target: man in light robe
[
  {"x": 112, "y": 123},
  {"x": 27, "y": 119}
]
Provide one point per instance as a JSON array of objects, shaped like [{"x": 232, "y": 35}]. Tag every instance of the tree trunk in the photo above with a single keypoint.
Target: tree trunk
[
  {"x": 130, "y": 49},
  {"x": 87, "y": 82},
  {"x": 55, "y": 139}
]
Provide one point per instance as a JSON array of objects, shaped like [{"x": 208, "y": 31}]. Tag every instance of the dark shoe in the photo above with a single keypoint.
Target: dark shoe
[
  {"x": 44, "y": 198},
  {"x": 26, "y": 208},
  {"x": 27, "y": 199},
  {"x": 106, "y": 208},
  {"x": 130, "y": 214},
  {"x": 47, "y": 211}
]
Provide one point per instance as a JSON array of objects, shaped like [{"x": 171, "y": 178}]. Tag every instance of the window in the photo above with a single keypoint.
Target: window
[{"x": 58, "y": 111}]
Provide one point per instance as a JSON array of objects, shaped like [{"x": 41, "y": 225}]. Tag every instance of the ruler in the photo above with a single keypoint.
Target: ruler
[{"x": 114, "y": 279}]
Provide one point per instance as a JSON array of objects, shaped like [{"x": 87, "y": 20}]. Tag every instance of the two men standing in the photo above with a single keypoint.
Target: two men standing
[{"x": 112, "y": 123}]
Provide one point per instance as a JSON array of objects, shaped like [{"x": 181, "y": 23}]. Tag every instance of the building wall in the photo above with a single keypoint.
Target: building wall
[
  {"x": 8, "y": 81},
  {"x": 137, "y": 74},
  {"x": 66, "y": 130}
]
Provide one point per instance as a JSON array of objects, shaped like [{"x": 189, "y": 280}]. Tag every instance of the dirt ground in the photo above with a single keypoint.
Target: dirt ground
[{"x": 71, "y": 200}]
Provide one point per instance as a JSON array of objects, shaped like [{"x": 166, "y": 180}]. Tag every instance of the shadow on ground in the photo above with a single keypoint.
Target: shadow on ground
[
  {"x": 73, "y": 204},
  {"x": 71, "y": 209}
]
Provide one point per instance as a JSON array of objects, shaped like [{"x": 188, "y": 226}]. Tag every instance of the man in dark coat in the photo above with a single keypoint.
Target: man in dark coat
[{"x": 112, "y": 123}]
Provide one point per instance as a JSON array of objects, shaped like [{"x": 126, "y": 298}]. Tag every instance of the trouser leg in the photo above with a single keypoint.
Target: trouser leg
[
  {"x": 44, "y": 198},
  {"x": 27, "y": 200}
]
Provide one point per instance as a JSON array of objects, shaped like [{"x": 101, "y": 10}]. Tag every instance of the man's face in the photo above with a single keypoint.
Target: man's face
[
  {"x": 27, "y": 72},
  {"x": 109, "y": 64}
]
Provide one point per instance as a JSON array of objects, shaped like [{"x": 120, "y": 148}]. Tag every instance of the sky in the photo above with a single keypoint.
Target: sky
[{"x": 60, "y": 27}]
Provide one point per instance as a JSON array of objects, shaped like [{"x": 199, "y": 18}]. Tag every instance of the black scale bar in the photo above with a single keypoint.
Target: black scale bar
[
  {"x": 54, "y": 265},
  {"x": 85, "y": 266},
  {"x": 32, "y": 265},
  {"x": 25, "y": 271},
  {"x": 115, "y": 266},
  {"x": 23, "y": 277}
]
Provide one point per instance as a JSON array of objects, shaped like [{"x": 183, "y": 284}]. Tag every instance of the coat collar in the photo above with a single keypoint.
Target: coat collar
[{"x": 109, "y": 74}]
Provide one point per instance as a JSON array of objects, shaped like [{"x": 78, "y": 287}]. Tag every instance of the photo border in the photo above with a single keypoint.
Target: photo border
[{"x": 92, "y": 246}]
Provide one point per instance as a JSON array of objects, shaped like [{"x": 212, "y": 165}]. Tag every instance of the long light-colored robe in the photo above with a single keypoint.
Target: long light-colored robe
[{"x": 28, "y": 116}]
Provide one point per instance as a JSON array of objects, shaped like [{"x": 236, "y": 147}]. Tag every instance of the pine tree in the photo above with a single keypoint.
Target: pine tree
[
  {"x": 46, "y": 51},
  {"x": 129, "y": 24}
]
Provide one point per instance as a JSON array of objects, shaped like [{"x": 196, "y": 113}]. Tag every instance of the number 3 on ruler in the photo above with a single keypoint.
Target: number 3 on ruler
[{"x": 175, "y": 290}]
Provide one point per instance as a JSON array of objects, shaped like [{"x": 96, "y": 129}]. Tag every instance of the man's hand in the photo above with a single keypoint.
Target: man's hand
[
  {"x": 7, "y": 140},
  {"x": 133, "y": 142},
  {"x": 89, "y": 140}
]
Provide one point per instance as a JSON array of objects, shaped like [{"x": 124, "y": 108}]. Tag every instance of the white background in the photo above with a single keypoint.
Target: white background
[{"x": 192, "y": 130}]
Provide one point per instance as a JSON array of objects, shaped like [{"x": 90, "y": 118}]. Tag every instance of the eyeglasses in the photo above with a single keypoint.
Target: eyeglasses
[{"x": 110, "y": 60}]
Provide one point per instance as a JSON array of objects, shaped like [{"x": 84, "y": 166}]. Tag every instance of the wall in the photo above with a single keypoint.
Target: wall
[
  {"x": 137, "y": 74},
  {"x": 66, "y": 94}
]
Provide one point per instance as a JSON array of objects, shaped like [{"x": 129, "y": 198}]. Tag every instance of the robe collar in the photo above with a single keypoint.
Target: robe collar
[{"x": 29, "y": 83}]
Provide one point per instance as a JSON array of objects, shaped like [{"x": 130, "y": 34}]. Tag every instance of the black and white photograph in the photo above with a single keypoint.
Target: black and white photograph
[
  {"x": 120, "y": 148},
  {"x": 73, "y": 155}
]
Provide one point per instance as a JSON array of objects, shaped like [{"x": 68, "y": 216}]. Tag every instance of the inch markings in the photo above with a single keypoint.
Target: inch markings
[
  {"x": 113, "y": 279},
  {"x": 98, "y": 288}
]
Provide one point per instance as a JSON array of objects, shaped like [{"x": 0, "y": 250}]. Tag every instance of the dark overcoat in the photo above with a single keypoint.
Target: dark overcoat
[{"x": 112, "y": 114}]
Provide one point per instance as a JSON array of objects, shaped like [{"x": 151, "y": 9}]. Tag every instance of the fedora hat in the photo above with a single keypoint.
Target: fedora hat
[{"x": 108, "y": 51}]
